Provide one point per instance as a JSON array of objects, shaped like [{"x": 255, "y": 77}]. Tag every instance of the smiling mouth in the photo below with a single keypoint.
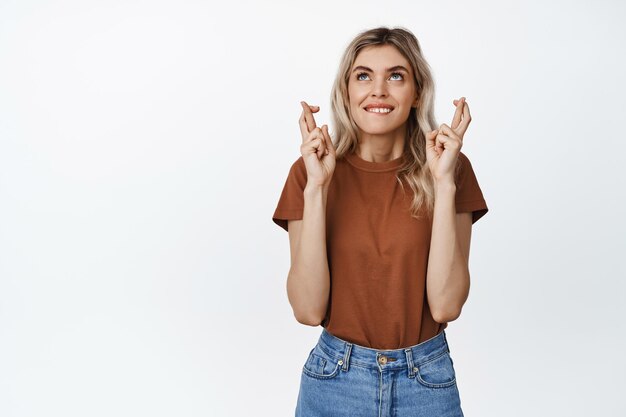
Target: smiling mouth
[{"x": 378, "y": 110}]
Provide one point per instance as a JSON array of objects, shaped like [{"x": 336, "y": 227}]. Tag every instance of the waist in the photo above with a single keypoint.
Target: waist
[{"x": 388, "y": 358}]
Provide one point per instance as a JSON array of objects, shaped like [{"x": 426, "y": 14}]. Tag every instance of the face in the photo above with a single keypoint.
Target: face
[{"x": 381, "y": 75}]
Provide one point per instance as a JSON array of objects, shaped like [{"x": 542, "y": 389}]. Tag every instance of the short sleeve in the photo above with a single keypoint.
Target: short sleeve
[
  {"x": 469, "y": 197},
  {"x": 291, "y": 202}
]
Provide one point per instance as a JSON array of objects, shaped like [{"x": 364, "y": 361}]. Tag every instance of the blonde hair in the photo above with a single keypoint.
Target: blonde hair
[{"x": 414, "y": 171}]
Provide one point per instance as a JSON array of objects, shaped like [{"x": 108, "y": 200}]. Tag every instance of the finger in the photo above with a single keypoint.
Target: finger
[
  {"x": 430, "y": 137},
  {"x": 304, "y": 130},
  {"x": 448, "y": 139},
  {"x": 432, "y": 134},
  {"x": 330, "y": 148},
  {"x": 447, "y": 131},
  {"x": 321, "y": 150},
  {"x": 467, "y": 118},
  {"x": 459, "y": 111},
  {"x": 315, "y": 133},
  {"x": 314, "y": 142},
  {"x": 439, "y": 142},
  {"x": 308, "y": 116},
  {"x": 311, "y": 146}
]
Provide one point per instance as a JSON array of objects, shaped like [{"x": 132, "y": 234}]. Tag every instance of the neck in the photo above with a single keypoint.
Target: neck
[{"x": 381, "y": 148}]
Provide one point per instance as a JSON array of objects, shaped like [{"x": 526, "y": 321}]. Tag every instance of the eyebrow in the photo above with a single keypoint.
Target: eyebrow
[{"x": 394, "y": 68}]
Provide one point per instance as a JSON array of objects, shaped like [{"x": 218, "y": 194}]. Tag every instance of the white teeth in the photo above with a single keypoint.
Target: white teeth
[{"x": 378, "y": 110}]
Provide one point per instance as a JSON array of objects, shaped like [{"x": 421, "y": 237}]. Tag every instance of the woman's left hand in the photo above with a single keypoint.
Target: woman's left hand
[{"x": 444, "y": 144}]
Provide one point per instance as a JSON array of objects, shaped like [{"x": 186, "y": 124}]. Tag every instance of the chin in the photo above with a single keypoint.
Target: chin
[{"x": 376, "y": 130}]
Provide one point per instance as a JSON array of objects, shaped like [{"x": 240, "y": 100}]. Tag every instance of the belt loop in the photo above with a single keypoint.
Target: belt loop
[
  {"x": 346, "y": 356},
  {"x": 446, "y": 340},
  {"x": 409, "y": 361}
]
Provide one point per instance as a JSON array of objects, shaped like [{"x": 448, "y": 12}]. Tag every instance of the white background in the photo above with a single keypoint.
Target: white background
[{"x": 143, "y": 148}]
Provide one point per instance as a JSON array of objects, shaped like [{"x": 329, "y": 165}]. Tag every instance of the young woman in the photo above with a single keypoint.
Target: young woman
[{"x": 379, "y": 226}]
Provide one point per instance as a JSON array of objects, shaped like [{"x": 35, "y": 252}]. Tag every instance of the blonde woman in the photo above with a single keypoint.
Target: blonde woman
[{"x": 379, "y": 224}]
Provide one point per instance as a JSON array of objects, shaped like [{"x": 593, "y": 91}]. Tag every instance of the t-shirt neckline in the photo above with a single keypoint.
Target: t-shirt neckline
[{"x": 357, "y": 162}]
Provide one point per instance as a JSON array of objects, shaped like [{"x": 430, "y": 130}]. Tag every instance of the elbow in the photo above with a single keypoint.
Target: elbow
[
  {"x": 308, "y": 320},
  {"x": 448, "y": 308},
  {"x": 306, "y": 309},
  {"x": 303, "y": 313},
  {"x": 445, "y": 316}
]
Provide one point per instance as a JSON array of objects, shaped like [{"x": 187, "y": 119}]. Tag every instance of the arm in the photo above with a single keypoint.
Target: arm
[
  {"x": 447, "y": 277},
  {"x": 308, "y": 282}
]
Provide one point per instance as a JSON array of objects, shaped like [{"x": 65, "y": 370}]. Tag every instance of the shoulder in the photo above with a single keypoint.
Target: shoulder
[
  {"x": 299, "y": 163},
  {"x": 462, "y": 162},
  {"x": 297, "y": 173},
  {"x": 298, "y": 168}
]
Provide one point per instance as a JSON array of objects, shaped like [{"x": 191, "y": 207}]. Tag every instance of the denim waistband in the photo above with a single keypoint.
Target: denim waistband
[{"x": 408, "y": 357}]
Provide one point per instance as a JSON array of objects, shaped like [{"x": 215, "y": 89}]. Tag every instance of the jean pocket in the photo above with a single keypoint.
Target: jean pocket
[
  {"x": 321, "y": 365},
  {"x": 437, "y": 372}
]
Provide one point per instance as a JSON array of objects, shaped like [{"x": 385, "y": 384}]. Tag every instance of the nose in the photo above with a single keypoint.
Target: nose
[{"x": 379, "y": 87}]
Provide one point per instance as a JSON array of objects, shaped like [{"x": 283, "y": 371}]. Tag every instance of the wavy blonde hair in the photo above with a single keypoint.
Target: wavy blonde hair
[{"x": 414, "y": 171}]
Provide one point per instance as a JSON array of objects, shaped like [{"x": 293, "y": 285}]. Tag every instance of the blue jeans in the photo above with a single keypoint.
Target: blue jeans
[{"x": 340, "y": 378}]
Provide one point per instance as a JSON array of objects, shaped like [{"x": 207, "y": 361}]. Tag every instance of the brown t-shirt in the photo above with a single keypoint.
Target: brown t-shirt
[{"x": 377, "y": 253}]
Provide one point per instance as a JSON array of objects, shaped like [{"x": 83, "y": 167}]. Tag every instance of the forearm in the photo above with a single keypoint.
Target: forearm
[
  {"x": 447, "y": 278},
  {"x": 308, "y": 282}
]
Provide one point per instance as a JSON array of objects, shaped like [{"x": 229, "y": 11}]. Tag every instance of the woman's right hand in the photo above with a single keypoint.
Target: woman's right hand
[{"x": 317, "y": 148}]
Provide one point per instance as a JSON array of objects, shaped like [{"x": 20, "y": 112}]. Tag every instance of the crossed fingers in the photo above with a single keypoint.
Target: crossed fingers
[
  {"x": 307, "y": 121},
  {"x": 462, "y": 117}
]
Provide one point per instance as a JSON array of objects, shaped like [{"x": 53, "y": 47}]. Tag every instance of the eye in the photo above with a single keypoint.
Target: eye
[{"x": 358, "y": 76}]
